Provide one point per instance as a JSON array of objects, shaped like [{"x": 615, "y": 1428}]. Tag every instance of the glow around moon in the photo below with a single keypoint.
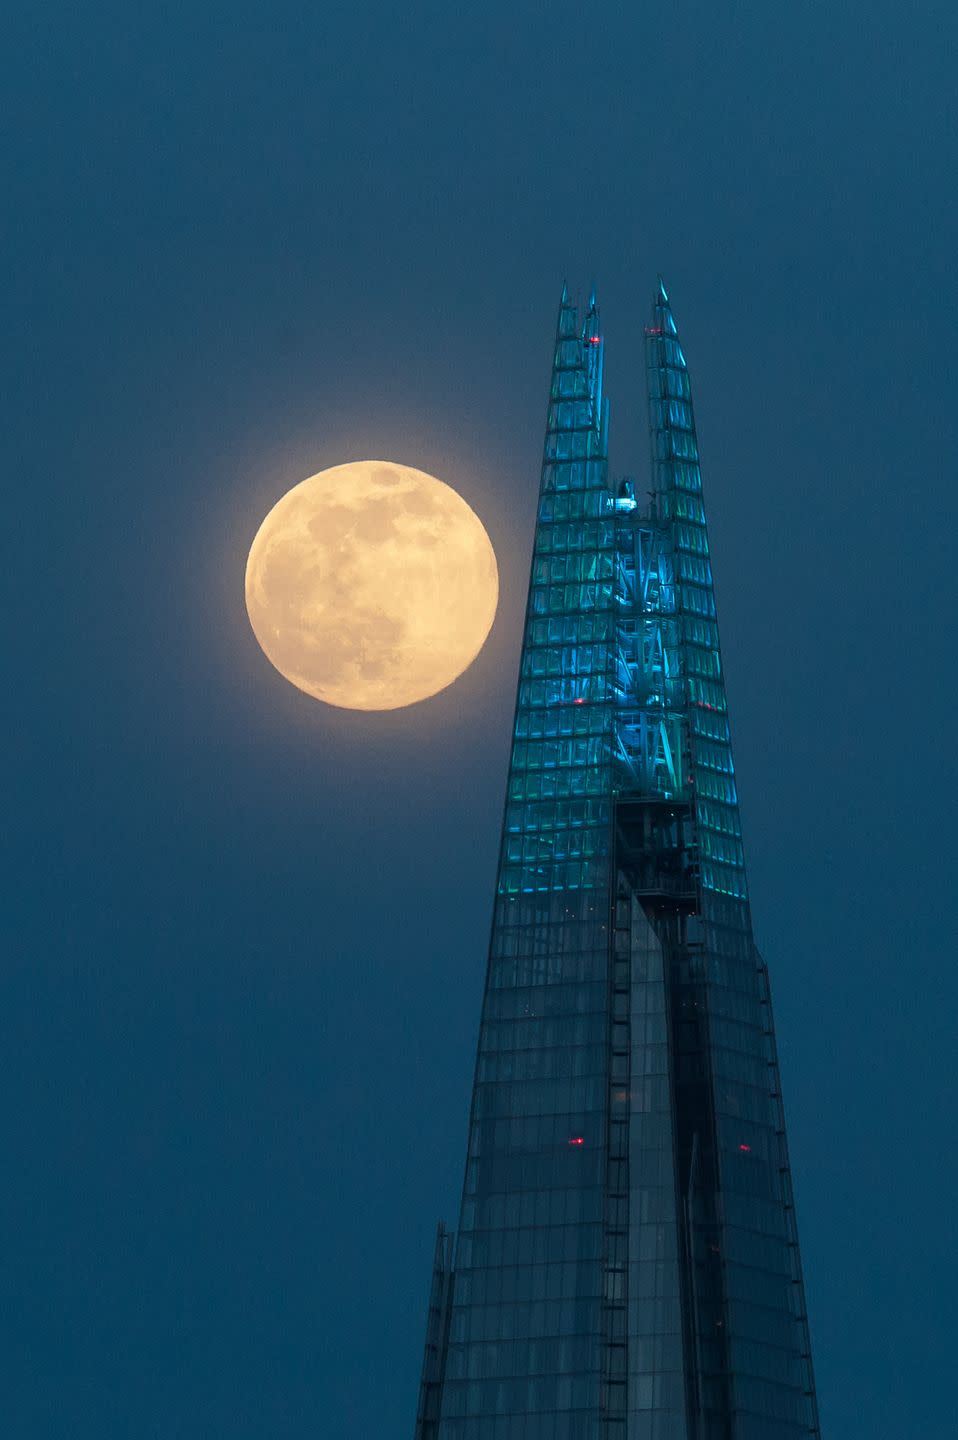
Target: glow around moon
[{"x": 371, "y": 585}]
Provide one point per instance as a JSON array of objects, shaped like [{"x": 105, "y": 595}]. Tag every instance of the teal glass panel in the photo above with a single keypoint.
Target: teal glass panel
[{"x": 626, "y": 1265}]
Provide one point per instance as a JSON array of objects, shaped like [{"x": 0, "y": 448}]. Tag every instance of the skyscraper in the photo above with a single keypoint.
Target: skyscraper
[{"x": 626, "y": 1265}]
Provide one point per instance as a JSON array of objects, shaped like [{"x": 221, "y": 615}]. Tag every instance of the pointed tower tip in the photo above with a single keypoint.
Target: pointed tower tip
[
  {"x": 592, "y": 299},
  {"x": 565, "y": 294},
  {"x": 662, "y": 294}
]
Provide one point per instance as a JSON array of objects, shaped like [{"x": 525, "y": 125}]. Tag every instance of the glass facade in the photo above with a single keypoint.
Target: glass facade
[{"x": 626, "y": 1263}]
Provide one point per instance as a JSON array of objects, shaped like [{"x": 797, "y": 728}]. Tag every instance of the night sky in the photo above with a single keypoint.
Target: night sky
[{"x": 244, "y": 933}]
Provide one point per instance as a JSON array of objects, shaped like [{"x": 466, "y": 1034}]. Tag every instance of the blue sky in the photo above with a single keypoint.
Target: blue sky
[{"x": 245, "y": 934}]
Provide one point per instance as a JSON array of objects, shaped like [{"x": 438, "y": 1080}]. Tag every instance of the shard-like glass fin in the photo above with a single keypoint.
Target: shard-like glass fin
[
  {"x": 437, "y": 1338},
  {"x": 744, "y": 1294},
  {"x": 627, "y": 1262},
  {"x": 524, "y": 1354}
]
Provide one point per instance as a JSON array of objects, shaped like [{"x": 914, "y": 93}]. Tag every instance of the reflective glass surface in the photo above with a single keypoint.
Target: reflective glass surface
[{"x": 626, "y": 1266}]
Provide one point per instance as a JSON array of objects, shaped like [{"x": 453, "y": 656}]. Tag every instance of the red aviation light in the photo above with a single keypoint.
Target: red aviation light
[
  {"x": 745, "y": 1149},
  {"x": 595, "y": 340},
  {"x": 578, "y": 700},
  {"x": 576, "y": 1140}
]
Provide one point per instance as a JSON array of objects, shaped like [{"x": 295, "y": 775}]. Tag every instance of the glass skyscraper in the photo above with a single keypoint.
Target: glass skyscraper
[{"x": 626, "y": 1263}]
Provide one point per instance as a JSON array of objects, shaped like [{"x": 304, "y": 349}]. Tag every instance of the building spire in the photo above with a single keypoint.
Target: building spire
[
  {"x": 671, "y": 420},
  {"x": 593, "y": 347},
  {"x": 663, "y": 321},
  {"x": 622, "y": 891},
  {"x": 566, "y": 328},
  {"x": 577, "y": 426},
  {"x": 592, "y": 316}
]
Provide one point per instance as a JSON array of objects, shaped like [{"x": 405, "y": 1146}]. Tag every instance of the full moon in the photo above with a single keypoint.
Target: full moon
[{"x": 371, "y": 585}]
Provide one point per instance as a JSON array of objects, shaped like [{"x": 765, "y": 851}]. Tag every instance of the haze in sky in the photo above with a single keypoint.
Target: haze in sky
[{"x": 245, "y": 933}]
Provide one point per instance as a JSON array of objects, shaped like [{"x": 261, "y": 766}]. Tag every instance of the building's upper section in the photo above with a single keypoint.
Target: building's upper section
[{"x": 621, "y": 690}]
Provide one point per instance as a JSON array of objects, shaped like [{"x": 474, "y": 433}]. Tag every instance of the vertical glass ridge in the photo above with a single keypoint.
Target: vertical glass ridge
[
  {"x": 745, "y": 1298},
  {"x": 524, "y": 1339},
  {"x": 626, "y": 1265},
  {"x": 557, "y": 810}
]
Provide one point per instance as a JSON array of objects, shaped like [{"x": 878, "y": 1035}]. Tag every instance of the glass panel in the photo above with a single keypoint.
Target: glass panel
[{"x": 627, "y": 1263}]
